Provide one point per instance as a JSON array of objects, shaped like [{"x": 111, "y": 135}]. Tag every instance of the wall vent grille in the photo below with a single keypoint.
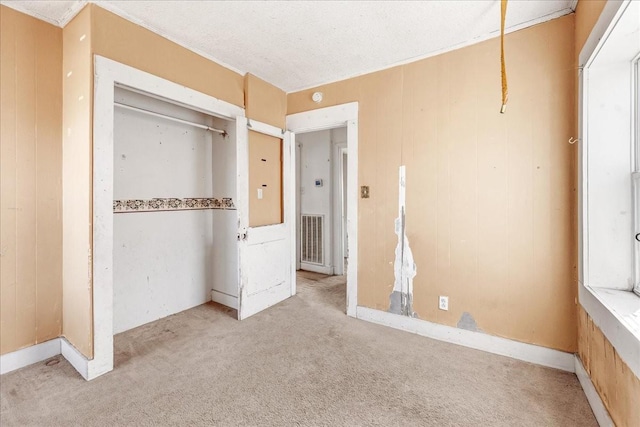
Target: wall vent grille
[{"x": 311, "y": 247}]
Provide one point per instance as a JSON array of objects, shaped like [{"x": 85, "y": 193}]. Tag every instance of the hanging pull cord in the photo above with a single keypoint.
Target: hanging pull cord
[{"x": 505, "y": 89}]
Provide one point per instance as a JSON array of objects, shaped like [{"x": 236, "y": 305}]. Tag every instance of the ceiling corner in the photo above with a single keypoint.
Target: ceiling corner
[
  {"x": 574, "y": 4},
  {"x": 72, "y": 12}
]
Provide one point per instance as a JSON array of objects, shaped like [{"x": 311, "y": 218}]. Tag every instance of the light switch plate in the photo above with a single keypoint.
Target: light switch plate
[
  {"x": 259, "y": 193},
  {"x": 364, "y": 192}
]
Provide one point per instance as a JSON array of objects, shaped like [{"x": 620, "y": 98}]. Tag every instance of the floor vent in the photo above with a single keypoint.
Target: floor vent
[{"x": 311, "y": 247}]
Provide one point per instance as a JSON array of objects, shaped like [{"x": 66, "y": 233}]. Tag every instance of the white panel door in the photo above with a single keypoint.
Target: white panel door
[{"x": 265, "y": 256}]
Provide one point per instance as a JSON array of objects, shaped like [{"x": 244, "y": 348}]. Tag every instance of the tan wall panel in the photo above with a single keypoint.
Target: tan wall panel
[
  {"x": 77, "y": 182},
  {"x": 587, "y": 14},
  {"x": 268, "y": 210},
  {"x": 123, "y": 41},
  {"x": 267, "y": 104},
  {"x": 489, "y": 196},
  {"x": 49, "y": 183},
  {"x": 617, "y": 385},
  {"x": 26, "y": 128},
  {"x": 380, "y": 142},
  {"x": 333, "y": 94},
  {"x": 30, "y": 116},
  {"x": 8, "y": 166},
  {"x": 264, "y": 102}
]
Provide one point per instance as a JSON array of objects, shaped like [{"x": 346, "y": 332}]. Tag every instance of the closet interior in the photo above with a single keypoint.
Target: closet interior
[{"x": 175, "y": 221}]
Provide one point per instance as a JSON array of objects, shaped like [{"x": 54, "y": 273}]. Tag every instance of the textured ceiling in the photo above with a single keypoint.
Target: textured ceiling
[
  {"x": 300, "y": 44},
  {"x": 54, "y": 12}
]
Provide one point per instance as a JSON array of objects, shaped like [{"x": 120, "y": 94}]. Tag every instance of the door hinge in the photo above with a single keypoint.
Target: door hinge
[{"x": 242, "y": 236}]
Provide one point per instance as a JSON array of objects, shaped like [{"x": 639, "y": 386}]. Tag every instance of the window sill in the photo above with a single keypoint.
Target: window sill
[{"x": 617, "y": 314}]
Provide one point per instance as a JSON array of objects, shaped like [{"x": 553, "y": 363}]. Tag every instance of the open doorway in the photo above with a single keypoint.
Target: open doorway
[
  {"x": 326, "y": 199},
  {"x": 321, "y": 234},
  {"x": 321, "y": 207}
]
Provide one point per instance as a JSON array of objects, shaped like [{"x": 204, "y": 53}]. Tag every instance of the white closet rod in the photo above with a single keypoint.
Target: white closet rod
[{"x": 175, "y": 119}]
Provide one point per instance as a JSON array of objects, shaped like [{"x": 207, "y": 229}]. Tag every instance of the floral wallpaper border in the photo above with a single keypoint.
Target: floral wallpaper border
[{"x": 171, "y": 204}]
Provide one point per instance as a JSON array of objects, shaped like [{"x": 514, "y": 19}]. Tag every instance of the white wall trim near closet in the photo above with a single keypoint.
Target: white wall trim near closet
[
  {"x": 30, "y": 355},
  {"x": 109, "y": 74}
]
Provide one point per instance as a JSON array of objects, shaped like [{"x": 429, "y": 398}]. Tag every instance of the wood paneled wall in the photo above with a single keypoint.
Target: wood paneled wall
[
  {"x": 268, "y": 104},
  {"x": 264, "y": 102},
  {"x": 489, "y": 196},
  {"x": 77, "y": 181},
  {"x": 31, "y": 167},
  {"x": 616, "y": 384},
  {"x": 116, "y": 38},
  {"x": 587, "y": 13}
]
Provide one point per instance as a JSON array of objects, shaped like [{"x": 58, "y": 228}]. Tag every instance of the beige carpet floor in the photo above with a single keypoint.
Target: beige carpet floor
[{"x": 302, "y": 363}]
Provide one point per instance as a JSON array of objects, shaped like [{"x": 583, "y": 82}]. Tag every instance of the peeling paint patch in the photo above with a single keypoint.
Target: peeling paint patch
[
  {"x": 395, "y": 302},
  {"x": 401, "y": 299},
  {"x": 468, "y": 322}
]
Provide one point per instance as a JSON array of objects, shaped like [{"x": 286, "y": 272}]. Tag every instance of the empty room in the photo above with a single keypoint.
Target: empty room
[{"x": 313, "y": 213}]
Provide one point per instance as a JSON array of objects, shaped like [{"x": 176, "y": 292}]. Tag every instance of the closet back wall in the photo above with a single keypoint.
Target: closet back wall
[{"x": 161, "y": 255}]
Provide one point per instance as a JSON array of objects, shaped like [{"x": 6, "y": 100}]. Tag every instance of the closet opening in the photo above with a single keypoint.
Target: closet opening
[
  {"x": 174, "y": 213},
  {"x": 173, "y": 189}
]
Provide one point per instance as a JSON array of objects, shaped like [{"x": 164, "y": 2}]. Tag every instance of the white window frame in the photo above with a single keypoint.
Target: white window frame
[
  {"x": 635, "y": 125},
  {"x": 609, "y": 271}
]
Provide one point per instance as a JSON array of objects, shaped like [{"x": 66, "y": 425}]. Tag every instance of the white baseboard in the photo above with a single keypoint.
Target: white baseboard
[
  {"x": 477, "y": 340},
  {"x": 598, "y": 408},
  {"x": 73, "y": 356},
  {"x": 224, "y": 299},
  {"x": 28, "y": 356},
  {"x": 43, "y": 351},
  {"x": 316, "y": 268}
]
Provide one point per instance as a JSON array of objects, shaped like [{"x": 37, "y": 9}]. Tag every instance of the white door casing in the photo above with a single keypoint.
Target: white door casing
[
  {"x": 266, "y": 254},
  {"x": 329, "y": 118},
  {"x": 107, "y": 75}
]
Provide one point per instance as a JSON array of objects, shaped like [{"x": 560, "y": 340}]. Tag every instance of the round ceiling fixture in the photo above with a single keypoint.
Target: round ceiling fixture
[{"x": 317, "y": 97}]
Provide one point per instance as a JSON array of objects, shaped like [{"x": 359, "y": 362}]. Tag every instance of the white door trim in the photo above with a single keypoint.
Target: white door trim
[
  {"x": 327, "y": 118},
  {"x": 337, "y": 217},
  {"x": 107, "y": 75}
]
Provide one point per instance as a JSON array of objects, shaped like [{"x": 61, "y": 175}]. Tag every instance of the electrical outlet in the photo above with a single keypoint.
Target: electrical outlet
[{"x": 443, "y": 303}]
